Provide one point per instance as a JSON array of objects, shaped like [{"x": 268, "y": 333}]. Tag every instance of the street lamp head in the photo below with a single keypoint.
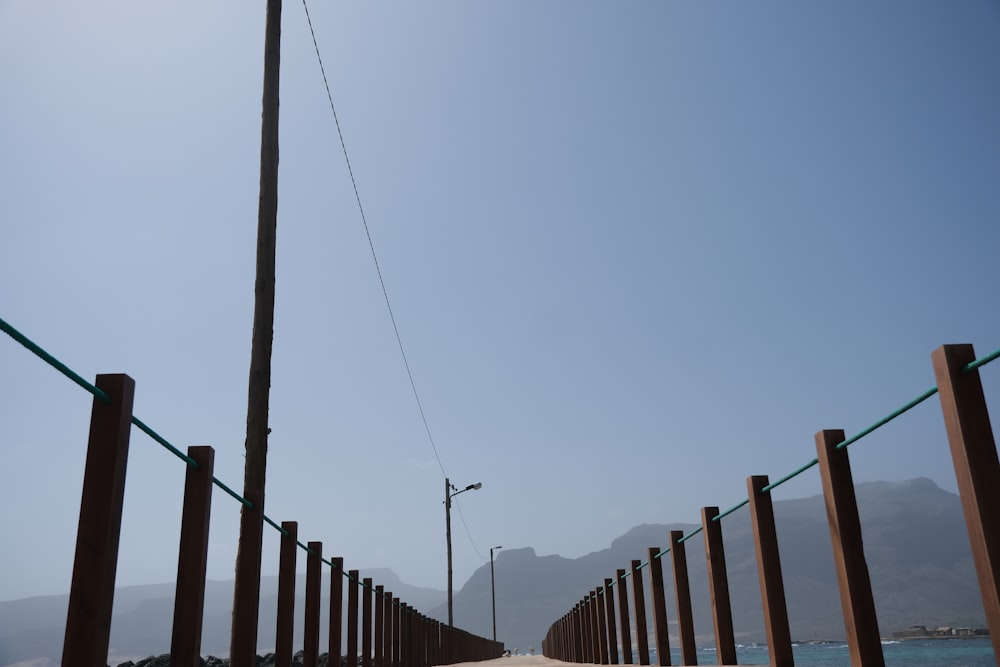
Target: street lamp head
[
  {"x": 498, "y": 547},
  {"x": 474, "y": 487}
]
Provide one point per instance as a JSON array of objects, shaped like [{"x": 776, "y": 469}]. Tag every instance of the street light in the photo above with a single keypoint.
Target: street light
[
  {"x": 493, "y": 593},
  {"x": 449, "y": 493}
]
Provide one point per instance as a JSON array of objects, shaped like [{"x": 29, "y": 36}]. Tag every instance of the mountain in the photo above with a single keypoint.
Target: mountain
[
  {"x": 915, "y": 544},
  {"x": 143, "y": 615}
]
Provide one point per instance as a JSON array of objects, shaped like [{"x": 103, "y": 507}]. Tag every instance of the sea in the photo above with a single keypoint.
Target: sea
[{"x": 971, "y": 652}]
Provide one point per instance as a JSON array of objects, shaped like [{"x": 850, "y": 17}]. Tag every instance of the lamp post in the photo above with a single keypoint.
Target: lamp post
[
  {"x": 449, "y": 493},
  {"x": 493, "y": 593}
]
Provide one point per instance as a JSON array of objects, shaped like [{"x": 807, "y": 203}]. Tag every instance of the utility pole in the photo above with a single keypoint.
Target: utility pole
[
  {"x": 447, "y": 522},
  {"x": 449, "y": 492},
  {"x": 246, "y": 596},
  {"x": 493, "y": 593}
]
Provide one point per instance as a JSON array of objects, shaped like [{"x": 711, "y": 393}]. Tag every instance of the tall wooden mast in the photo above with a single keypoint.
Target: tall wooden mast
[{"x": 243, "y": 647}]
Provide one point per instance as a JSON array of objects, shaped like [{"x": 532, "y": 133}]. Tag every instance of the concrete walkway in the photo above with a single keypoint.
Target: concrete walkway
[{"x": 526, "y": 661}]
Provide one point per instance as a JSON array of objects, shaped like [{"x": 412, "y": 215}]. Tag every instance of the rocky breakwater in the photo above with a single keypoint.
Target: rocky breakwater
[{"x": 211, "y": 661}]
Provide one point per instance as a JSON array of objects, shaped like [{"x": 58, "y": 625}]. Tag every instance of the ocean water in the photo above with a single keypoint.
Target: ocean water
[{"x": 976, "y": 652}]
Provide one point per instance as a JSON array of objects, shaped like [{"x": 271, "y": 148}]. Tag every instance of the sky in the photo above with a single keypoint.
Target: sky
[{"x": 636, "y": 252}]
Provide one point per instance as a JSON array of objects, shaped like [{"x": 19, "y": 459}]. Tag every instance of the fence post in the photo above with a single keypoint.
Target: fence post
[
  {"x": 608, "y": 625},
  {"x": 624, "y": 619},
  {"x": 772, "y": 588},
  {"x": 336, "y": 611},
  {"x": 974, "y": 454},
  {"x": 285, "y": 630},
  {"x": 718, "y": 586},
  {"x": 192, "y": 559},
  {"x": 314, "y": 578},
  {"x": 397, "y": 633},
  {"x": 590, "y": 625},
  {"x": 379, "y": 625},
  {"x": 599, "y": 629},
  {"x": 366, "y": 622},
  {"x": 246, "y": 598},
  {"x": 659, "y": 607},
  {"x": 856, "y": 601},
  {"x": 352, "y": 617},
  {"x": 682, "y": 588},
  {"x": 639, "y": 604},
  {"x": 92, "y": 591},
  {"x": 387, "y": 632}
]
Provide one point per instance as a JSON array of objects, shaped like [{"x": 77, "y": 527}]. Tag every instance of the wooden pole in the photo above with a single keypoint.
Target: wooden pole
[
  {"x": 718, "y": 586},
  {"x": 856, "y": 600},
  {"x": 772, "y": 587},
  {"x": 977, "y": 470},
  {"x": 314, "y": 578},
  {"x": 659, "y": 607},
  {"x": 192, "y": 560},
  {"x": 285, "y": 625},
  {"x": 246, "y": 595},
  {"x": 92, "y": 591}
]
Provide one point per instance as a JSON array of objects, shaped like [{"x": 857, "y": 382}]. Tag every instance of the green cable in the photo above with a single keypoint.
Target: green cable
[
  {"x": 885, "y": 420},
  {"x": 52, "y": 361},
  {"x": 276, "y": 526},
  {"x": 689, "y": 535},
  {"x": 790, "y": 475},
  {"x": 973, "y": 365},
  {"x": 731, "y": 510},
  {"x": 157, "y": 437},
  {"x": 244, "y": 501}
]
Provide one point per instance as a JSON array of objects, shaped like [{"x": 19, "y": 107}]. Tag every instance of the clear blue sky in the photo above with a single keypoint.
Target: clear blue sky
[{"x": 636, "y": 252}]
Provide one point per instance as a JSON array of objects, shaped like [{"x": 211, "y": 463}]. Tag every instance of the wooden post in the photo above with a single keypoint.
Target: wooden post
[
  {"x": 314, "y": 578},
  {"x": 626, "y": 629},
  {"x": 379, "y": 626},
  {"x": 352, "y": 618},
  {"x": 659, "y": 606},
  {"x": 609, "y": 615},
  {"x": 639, "y": 604},
  {"x": 246, "y": 590},
  {"x": 590, "y": 626},
  {"x": 397, "y": 633},
  {"x": 285, "y": 628},
  {"x": 92, "y": 591},
  {"x": 602, "y": 630},
  {"x": 387, "y": 656},
  {"x": 366, "y": 622},
  {"x": 718, "y": 586},
  {"x": 856, "y": 601},
  {"x": 974, "y": 454},
  {"x": 772, "y": 588},
  {"x": 682, "y": 588},
  {"x": 192, "y": 560},
  {"x": 336, "y": 649}
]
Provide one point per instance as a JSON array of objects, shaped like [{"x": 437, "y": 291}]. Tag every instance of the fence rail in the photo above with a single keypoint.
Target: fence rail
[
  {"x": 393, "y": 633},
  {"x": 589, "y": 633}
]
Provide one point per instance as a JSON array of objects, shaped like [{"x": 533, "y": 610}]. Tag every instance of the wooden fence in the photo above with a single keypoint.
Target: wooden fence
[
  {"x": 588, "y": 632},
  {"x": 393, "y": 634}
]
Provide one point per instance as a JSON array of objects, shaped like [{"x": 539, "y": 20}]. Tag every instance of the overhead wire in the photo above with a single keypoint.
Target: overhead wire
[{"x": 371, "y": 244}]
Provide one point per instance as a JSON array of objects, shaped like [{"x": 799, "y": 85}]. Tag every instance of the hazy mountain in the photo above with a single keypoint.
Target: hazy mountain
[
  {"x": 915, "y": 543},
  {"x": 143, "y": 616}
]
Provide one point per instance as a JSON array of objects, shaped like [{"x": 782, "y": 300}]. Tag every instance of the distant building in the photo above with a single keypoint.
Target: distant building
[{"x": 912, "y": 631}]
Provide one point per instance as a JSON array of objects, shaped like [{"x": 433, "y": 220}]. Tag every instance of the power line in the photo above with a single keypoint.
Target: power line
[
  {"x": 371, "y": 245},
  {"x": 471, "y": 541}
]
